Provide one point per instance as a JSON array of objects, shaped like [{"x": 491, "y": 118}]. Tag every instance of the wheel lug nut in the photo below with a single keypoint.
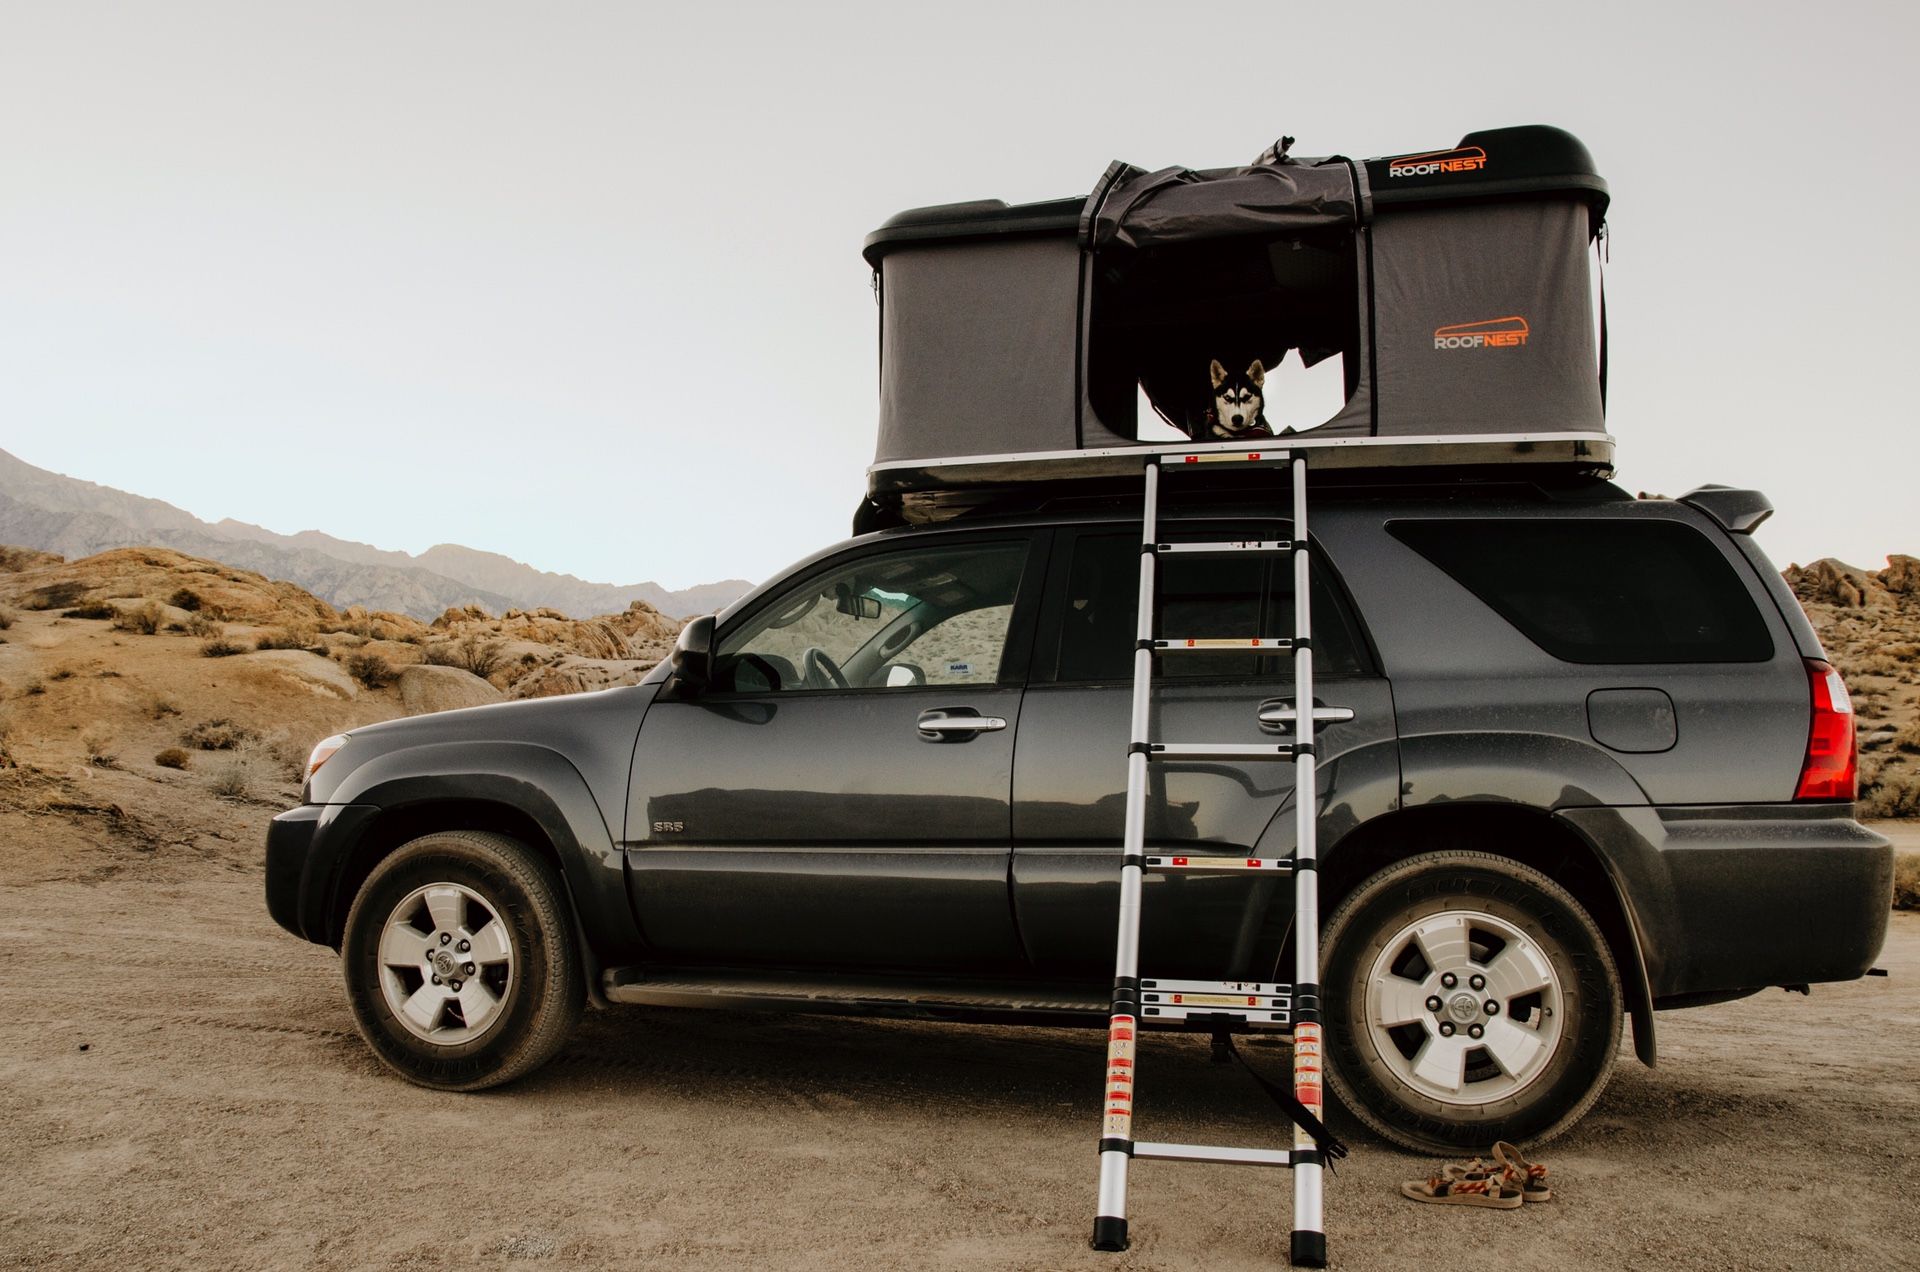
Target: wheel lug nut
[
  {"x": 1474, "y": 1031},
  {"x": 1449, "y": 979},
  {"x": 1492, "y": 1008},
  {"x": 465, "y": 946},
  {"x": 1446, "y": 1029},
  {"x": 468, "y": 969},
  {"x": 436, "y": 980},
  {"x": 1477, "y": 981},
  {"x": 445, "y": 937},
  {"x": 1433, "y": 1003},
  {"x": 456, "y": 987}
]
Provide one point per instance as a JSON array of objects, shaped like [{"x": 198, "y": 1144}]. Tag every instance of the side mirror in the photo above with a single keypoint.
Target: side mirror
[{"x": 693, "y": 654}]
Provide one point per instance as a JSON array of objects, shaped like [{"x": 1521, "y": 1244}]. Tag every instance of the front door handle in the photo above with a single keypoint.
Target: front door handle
[
  {"x": 1279, "y": 714},
  {"x": 956, "y": 724}
]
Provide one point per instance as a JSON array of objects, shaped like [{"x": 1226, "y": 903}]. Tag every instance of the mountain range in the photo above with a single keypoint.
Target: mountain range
[{"x": 45, "y": 510}]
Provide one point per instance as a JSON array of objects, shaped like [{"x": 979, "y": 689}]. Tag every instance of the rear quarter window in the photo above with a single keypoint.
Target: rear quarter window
[{"x": 1601, "y": 591}]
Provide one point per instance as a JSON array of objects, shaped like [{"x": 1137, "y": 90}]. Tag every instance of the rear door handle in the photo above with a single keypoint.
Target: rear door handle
[
  {"x": 1280, "y": 715},
  {"x": 956, "y": 724}
]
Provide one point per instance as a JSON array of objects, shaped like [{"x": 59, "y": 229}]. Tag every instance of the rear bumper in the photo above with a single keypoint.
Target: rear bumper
[
  {"x": 1746, "y": 896},
  {"x": 306, "y": 847}
]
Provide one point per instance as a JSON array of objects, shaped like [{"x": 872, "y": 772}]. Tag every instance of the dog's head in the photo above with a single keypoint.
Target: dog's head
[{"x": 1238, "y": 404}]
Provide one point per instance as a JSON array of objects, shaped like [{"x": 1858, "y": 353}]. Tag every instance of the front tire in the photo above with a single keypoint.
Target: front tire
[
  {"x": 1471, "y": 999},
  {"x": 460, "y": 963}
]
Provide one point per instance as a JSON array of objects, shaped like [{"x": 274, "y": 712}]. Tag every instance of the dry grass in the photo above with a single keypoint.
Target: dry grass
[
  {"x": 56, "y": 595},
  {"x": 92, "y": 610},
  {"x": 1908, "y": 739},
  {"x": 97, "y": 742},
  {"x": 6, "y": 739},
  {"x": 174, "y": 758},
  {"x": 217, "y": 735},
  {"x": 371, "y": 670},
  {"x": 286, "y": 638},
  {"x": 232, "y": 780},
  {"x": 32, "y": 687},
  {"x": 186, "y": 598},
  {"x": 1897, "y": 796},
  {"x": 143, "y": 619},
  {"x": 220, "y": 647},
  {"x": 7, "y": 618},
  {"x": 1906, "y": 881},
  {"x": 160, "y": 706},
  {"x": 201, "y": 625},
  {"x": 469, "y": 653}
]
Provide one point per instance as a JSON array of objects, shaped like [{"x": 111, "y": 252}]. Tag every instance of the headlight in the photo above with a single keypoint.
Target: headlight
[{"x": 324, "y": 752}]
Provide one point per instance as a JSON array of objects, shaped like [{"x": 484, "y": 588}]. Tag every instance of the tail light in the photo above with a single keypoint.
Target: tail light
[{"x": 1831, "y": 769}]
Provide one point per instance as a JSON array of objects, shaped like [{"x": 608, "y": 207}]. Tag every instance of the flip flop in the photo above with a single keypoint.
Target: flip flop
[
  {"x": 1486, "y": 1191},
  {"x": 1530, "y": 1177}
]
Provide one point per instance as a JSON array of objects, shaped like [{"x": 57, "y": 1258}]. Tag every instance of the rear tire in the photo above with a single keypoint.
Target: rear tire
[
  {"x": 1470, "y": 999},
  {"x": 491, "y": 915}
]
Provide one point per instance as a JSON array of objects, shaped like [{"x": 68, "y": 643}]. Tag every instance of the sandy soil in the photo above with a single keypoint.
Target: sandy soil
[{"x": 181, "y": 1086}]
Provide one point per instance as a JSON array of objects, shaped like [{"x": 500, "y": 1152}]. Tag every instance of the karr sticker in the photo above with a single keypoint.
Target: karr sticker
[{"x": 959, "y": 669}]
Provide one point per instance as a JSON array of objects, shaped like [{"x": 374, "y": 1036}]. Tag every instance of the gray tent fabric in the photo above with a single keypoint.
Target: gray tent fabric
[
  {"x": 1130, "y": 208},
  {"x": 1484, "y": 320},
  {"x": 979, "y": 348}
]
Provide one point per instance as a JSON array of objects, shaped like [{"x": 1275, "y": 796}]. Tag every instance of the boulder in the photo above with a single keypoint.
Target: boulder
[
  {"x": 425, "y": 688},
  {"x": 317, "y": 675}
]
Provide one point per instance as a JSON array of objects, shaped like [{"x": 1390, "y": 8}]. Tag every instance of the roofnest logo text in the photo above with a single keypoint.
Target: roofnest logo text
[
  {"x": 1439, "y": 163},
  {"x": 1494, "y": 333}
]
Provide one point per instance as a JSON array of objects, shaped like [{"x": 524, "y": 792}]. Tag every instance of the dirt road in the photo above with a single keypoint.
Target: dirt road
[{"x": 181, "y": 1086}]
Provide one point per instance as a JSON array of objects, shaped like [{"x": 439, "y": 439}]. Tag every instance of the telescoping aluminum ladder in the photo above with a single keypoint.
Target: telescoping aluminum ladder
[{"x": 1224, "y": 1004}]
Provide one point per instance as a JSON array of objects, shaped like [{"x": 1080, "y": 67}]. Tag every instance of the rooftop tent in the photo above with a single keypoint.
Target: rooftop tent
[{"x": 1453, "y": 287}]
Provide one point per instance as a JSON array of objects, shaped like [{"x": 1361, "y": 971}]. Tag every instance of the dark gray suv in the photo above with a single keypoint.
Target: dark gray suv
[{"x": 1581, "y": 759}]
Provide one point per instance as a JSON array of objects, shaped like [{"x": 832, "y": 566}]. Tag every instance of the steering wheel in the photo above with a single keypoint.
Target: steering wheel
[{"x": 820, "y": 670}]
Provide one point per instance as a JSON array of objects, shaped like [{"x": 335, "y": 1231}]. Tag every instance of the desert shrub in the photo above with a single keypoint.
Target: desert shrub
[
  {"x": 32, "y": 686},
  {"x": 144, "y": 619},
  {"x": 469, "y": 653},
  {"x": 173, "y": 757},
  {"x": 160, "y": 706},
  {"x": 186, "y": 598},
  {"x": 371, "y": 670},
  {"x": 1908, "y": 739},
  {"x": 201, "y": 625},
  {"x": 286, "y": 638},
  {"x": 65, "y": 671},
  {"x": 220, "y": 647},
  {"x": 56, "y": 595},
  {"x": 1893, "y": 797},
  {"x": 6, "y": 739},
  {"x": 97, "y": 741},
  {"x": 90, "y": 609},
  {"x": 1906, "y": 881},
  {"x": 232, "y": 780},
  {"x": 7, "y": 618},
  {"x": 217, "y": 735}
]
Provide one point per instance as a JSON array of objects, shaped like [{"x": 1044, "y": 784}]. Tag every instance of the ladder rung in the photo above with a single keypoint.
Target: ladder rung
[
  {"x": 1221, "y": 645},
  {"x": 1178, "y": 461},
  {"x": 1220, "y": 751},
  {"x": 1215, "y": 1153},
  {"x": 1242, "y": 989},
  {"x": 1226, "y": 865},
  {"x": 1223, "y": 547},
  {"x": 1255, "y": 1002}
]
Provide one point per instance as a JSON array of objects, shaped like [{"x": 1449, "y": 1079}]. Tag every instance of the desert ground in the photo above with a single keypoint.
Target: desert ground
[{"x": 181, "y": 1085}]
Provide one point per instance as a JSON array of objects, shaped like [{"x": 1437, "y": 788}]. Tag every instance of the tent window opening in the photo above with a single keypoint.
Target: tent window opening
[{"x": 1280, "y": 316}]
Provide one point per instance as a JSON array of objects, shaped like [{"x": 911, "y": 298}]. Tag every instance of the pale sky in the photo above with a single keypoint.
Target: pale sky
[{"x": 581, "y": 283}]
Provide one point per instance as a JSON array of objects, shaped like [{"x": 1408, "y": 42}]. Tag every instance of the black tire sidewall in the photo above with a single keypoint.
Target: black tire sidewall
[
  {"x": 1552, "y": 919},
  {"x": 488, "y": 1058}
]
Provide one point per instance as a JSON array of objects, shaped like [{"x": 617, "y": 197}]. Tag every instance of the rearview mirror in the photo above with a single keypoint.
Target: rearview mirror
[
  {"x": 855, "y": 604},
  {"x": 693, "y": 654}
]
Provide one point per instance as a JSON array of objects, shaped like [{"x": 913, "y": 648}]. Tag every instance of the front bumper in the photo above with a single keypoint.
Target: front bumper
[
  {"x": 1746, "y": 896},
  {"x": 306, "y": 849}
]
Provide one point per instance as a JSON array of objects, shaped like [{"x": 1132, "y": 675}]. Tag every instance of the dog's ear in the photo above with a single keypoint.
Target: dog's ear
[
  {"x": 1219, "y": 373},
  {"x": 1258, "y": 374}
]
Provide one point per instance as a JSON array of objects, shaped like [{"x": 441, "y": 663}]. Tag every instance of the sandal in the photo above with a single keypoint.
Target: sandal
[
  {"x": 1529, "y": 1177},
  {"x": 1486, "y": 1190}
]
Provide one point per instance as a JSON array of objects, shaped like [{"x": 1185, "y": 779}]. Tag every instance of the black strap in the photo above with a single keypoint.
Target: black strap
[
  {"x": 1604, "y": 253},
  {"x": 1298, "y": 1113}
]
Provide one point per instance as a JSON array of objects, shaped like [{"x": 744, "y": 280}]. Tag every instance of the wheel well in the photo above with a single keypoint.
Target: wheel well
[
  {"x": 1526, "y": 835},
  {"x": 397, "y": 826}
]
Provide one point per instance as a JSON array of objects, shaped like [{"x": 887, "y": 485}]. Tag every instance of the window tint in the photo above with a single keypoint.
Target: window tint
[
  {"x": 923, "y": 616},
  {"x": 1246, "y": 594},
  {"x": 1602, "y": 591}
]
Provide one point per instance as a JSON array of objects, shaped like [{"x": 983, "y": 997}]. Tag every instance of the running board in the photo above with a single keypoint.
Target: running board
[{"x": 851, "y": 995}]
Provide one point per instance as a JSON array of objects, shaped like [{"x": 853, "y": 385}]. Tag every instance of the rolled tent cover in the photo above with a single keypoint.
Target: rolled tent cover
[{"x": 1131, "y": 208}]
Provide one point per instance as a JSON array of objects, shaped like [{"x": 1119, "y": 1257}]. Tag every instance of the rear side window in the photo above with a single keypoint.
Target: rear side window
[
  {"x": 1244, "y": 594},
  {"x": 1602, "y": 591}
]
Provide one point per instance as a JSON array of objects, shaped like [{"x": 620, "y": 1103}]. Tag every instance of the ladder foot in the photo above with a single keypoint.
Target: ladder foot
[
  {"x": 1309, "y": 1249},
  {"x": 1111, "y": 1234}
]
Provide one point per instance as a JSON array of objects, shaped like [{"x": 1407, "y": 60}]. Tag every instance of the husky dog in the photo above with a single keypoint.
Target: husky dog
[{"x": 1239, "y": 409}]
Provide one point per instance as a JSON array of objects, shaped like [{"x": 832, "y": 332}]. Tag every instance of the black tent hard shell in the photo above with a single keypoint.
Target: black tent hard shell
[{"x": 1455, "y": 287}]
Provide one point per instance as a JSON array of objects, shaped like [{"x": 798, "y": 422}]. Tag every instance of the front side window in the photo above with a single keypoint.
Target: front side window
[{"x": 935, "y": 615}]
